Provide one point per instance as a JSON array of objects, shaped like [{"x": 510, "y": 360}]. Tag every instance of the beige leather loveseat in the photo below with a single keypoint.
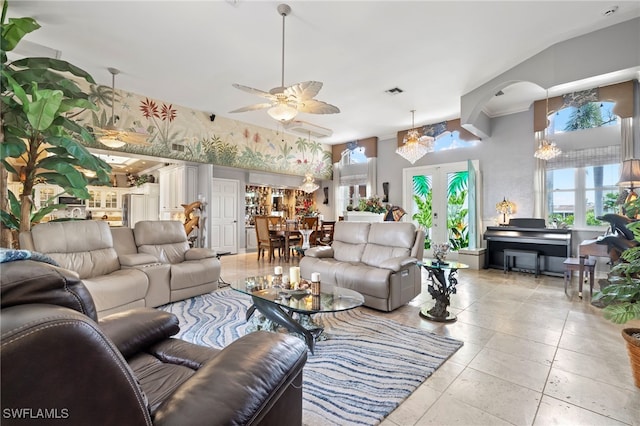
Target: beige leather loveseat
[
  {"x": 118, "y": 270},
  {"x": 377, "y": 260}
]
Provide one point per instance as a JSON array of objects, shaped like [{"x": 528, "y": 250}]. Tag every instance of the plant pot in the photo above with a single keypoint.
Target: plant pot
[{"x": 633, "y": 347}]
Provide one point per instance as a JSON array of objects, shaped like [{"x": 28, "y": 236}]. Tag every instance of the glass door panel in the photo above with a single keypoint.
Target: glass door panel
[{"x": 439, "y": 203}]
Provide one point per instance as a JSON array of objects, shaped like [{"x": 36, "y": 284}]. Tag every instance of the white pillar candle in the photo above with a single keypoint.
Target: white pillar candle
[
  {"x": 278, "y": 270},
  {"x": 294, "y": 275},
  {"x": 315, "y": 276}
]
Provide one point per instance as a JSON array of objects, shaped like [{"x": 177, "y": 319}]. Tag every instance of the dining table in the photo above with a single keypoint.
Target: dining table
[{"x": 289, "y": 232}]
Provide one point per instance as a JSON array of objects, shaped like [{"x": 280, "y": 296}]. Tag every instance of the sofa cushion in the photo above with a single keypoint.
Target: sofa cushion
[
  {"x": 349, "y": 240},
  {"x": 368, "y": 280},
  {"x": 123, "y": 241},
  {"x": 193, "y": 273},
  {"x": 119, "y": 288},
  {"x": 386, "y": 242},
  {"x": 85, "y": 247},
  {"x": 165, "y": 239}
]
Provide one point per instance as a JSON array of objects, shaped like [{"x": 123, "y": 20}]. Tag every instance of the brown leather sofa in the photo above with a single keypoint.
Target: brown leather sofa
[
  {"x": 123, "y": 268},
  {"x": 377, "y": 260},
  {"x": 58, "y": 364}
]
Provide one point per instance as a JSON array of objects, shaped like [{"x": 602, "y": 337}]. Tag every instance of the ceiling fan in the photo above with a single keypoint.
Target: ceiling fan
[
  {"x": 111, "y": 135},
  {"x": 285, "y": 102}
]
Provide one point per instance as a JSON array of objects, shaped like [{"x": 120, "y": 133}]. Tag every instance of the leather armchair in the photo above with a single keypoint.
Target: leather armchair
[
  {"x": 194, "y": 271},
  {"x": 58, "y": 362}
]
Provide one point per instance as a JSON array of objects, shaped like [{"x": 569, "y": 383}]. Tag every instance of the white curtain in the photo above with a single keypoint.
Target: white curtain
[
  {"x": 372, "y": 177},
  {"x": 626, "y": 144},
  {"x": 539, "y": 182}
]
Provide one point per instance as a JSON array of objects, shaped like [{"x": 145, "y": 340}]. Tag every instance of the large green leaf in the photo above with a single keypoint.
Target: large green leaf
[
  {"x": 63, "y": 181},
  {"x": 44, "y": 107},
  {"x": 17, "y": 89},
  {"x": 13, "y": 148},
  {"x": 37, "y": 216},
  {"x": 15, "y": 30},
  {"x": 66, "y": 167},
  {"x": 48, "y": 79},
  {"x": 9, "y": 221},
  {"x": 54, "y": 64},
  {"x": 70, "y": 104},
  {"x": 8, "y": 166}
]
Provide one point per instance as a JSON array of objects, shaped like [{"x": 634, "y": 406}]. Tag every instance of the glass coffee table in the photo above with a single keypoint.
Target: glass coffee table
[{"x": 279, "y": 305}]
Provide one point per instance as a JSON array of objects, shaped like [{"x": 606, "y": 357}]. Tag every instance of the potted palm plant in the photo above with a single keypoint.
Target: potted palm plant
[
  {"x": 41, "y": 143},
  {"x": 622, "y": 298}
]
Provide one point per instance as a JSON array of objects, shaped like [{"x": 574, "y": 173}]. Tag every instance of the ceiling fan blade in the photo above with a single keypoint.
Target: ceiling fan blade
[
  {"x": 303, "y": 91},
  {"x": 254, "y": 91},
  {"x": 135, "y": 138},
  {"x": 313, "y": 106},
  {"x": 252, "y": 107}
]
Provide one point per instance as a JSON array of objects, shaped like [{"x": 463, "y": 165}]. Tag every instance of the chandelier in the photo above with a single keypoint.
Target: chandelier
[
  {"x": 308, "y": 184},
  {"x": 415, "y": 146},
  {"x": 547, "y": 148}
]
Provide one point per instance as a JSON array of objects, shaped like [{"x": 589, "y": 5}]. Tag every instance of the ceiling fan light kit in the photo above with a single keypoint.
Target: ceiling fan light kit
[
  {"x": 285, "y": 102},
  {"x": 282, "y": 112},
  {"x": 111, "y": 135}
]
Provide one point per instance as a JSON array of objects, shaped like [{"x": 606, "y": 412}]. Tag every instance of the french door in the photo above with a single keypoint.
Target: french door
[{"x": 441, "y": 200}]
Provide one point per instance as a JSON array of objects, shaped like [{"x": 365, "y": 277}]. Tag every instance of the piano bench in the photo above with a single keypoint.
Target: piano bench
[
  {"x": 580, "y": 264},
  {"x": 514, "y": 254}
]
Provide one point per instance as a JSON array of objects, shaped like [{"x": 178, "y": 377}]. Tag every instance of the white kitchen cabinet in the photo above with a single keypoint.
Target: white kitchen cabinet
[{"x": 178, "y": 185}]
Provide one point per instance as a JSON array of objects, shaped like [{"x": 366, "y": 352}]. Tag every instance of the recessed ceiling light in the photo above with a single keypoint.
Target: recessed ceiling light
[{"x": 610, "y": 11}]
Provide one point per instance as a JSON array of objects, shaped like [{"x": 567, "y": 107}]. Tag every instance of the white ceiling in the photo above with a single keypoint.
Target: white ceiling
[{"x": 191, "y": 52}]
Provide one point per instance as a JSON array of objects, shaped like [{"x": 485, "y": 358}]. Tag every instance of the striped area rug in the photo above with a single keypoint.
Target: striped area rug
[{"x": 366, "y": 368}]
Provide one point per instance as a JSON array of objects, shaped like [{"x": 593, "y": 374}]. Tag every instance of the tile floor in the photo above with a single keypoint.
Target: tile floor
[{"x": 531, "y": 355}]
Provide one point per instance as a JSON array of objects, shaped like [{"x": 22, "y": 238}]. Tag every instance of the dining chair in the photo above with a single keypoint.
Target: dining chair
[
  {"x": 267, "y": 241},
  {"x": 326, "y": 233},
  {"x": 311, "y": 222}
]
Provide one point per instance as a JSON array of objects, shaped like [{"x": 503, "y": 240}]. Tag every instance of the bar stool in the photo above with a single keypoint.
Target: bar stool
[{"x": 580, "y": 264}]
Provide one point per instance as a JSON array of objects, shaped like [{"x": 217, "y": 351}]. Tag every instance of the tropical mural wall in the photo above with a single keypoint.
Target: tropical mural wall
[{"x": 181, "y": 133}]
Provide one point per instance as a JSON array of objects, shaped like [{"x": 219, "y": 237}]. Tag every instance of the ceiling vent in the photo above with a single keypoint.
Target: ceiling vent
[{"x": 305, "y": 128}]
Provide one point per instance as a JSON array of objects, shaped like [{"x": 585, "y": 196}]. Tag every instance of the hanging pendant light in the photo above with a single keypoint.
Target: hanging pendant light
[
  {"x": 415, "y": 146},
  {"x": 309, "y": 185},
  {"x": 547, "y": 148}
]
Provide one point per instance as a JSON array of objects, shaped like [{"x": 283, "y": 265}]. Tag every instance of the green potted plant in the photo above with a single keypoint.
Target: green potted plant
[
  {"x": 622, "y": 298},
  {"x": 40, "y": 143}
]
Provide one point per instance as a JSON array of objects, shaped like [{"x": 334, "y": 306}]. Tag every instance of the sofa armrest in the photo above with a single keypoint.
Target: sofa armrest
[
  {"x": 240, "y": 384},
  {"x": 137, "y": 259},
  {"x": 199, "y": 253},
  {"x": 397, "y": 263},
  {"x": 137, "y": 329},
  {"x": 319, "y": 251}
]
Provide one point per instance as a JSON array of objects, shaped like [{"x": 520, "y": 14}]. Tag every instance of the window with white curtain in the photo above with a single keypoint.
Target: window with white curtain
[{"x": 581, "y": 185}]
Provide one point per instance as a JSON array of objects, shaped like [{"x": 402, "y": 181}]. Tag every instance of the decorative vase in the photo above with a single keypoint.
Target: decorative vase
[
  {"x": 440, "y": 251},
  {"x": 632, "y": 336}
]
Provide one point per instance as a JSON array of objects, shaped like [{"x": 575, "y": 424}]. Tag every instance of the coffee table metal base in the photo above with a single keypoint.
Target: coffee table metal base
[
  {"x": 427, "y": 313},
  {"x": 278, "y": 316}
]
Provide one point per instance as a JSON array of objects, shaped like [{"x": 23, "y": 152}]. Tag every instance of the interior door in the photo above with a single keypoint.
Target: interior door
[
  {"x": 224, "y": 215},
  {"x": 437, "y": 200}
]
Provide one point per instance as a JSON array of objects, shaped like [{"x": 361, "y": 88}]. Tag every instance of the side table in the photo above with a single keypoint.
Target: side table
[{"x": 443, "y": 284}]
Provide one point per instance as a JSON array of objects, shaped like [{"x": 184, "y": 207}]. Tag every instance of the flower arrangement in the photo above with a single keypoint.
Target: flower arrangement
[
  {"x": 372, "y": 204},
  {"x": 306, "y": 209}
]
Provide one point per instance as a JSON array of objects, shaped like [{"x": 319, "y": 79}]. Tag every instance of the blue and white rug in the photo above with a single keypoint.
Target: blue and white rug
[{"x": 366, "y": 368}]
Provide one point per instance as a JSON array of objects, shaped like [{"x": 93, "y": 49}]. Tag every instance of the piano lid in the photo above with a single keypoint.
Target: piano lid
[{"x": 514, "y": 233}]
